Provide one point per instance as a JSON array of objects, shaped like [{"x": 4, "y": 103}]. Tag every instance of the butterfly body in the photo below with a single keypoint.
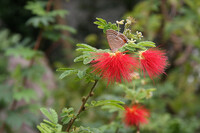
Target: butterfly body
[{"x": 115, "y": 39}]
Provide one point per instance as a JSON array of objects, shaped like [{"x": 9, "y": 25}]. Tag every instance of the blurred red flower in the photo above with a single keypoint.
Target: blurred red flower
[
  {"x": 153, "y": 61},
  {"x": 136, "y": 115},
  {"x": 114, "y": 66}
]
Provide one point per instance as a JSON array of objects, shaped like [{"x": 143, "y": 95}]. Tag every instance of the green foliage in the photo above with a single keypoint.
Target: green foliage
[
  {"x": 139, "y": 95},
  {"x": 85, "y": 47},
  {"x": 37, "y": 7},
  {"x": 44, "y": 18},
  {"x": 146, "y": 44},
  {"x": 15, "y": 94},
  {"x": 86, "y": 56},
  {"x": 24, "y": 52},
  {"x": 67, "y": 114},
  {"x": 64, "y": 27},
  {"x": 82, "y": 129},
  {"x": 67, "y": 73},
  {"x": 40, "y": 21},
  {"x": 132, "y": 46},
  {"x": 16, "y": 118},
  {"x": 7, "y": 39},
  {"x": 81, "y": 74},
  {"x": 25, "y": 94},
  {"x": 173, "y": 106},
  {"x": 6, "y": 94},
  {"x": 51, "y": 125},
  {"x": 102, "y": 24},
  {"x": 111, "y": 105},
  {"x": 50, "y": 114}
]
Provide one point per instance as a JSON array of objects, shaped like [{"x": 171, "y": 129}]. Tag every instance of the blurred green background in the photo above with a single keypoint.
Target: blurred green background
[{"x": 37, "y": 37}]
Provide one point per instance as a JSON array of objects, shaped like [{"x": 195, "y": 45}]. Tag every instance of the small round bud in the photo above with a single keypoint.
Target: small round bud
[
  {"x": 91, "y": 94},
  {"x": 83, "y": 98}
]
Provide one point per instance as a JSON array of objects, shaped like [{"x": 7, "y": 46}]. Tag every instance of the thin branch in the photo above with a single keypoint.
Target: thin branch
[
  {"x": 164, "y": 10},
  {"x": 39, "y": 37},
  {"x": 117, "y": 130},
  {"x": 138, "y": 128},
  {"x": 82, "y": 108},
  {"x": 38, "y": 40}
]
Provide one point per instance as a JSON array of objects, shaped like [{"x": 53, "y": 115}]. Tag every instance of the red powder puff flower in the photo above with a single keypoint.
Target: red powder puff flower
[
  {"x": 153, "y": 61},
  {"x": 136, "y": 115},
  {"x": 114, "y": 66}
]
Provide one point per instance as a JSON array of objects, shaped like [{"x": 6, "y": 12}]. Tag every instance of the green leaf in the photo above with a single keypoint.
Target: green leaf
[
  {"x": 36, "y": 7},
  {"x": 26, "y": 94},
  {"x": 52, "y": 35},
  {"x": 79, "y": 58},
  {"x": 8, "y": 40},
  {"x": 65, "y": 27},
  {"x": 22, "y": 51},
  {"x": 104, "y": 102},
  {"x": 130, "y": 48},
  {"x": 102, "y": 24},
  {"x": 87, "y": 60},
  {"x": 135, "y": 46},
  {"x": 64, "y": 69},
  {"x": 66, "y": 120},
  {"x": 51, "y": 114},
  {"x": 56, "y": 13},
  {"x": 86, "y": 46},
  {"x": 152, "y": 89},
  {"x": 14, "y": 119},
  {"x": 88, "y": 130},
  {"x": 141, "y": 95},
  {"x": 40, "y": 21},
  {"x": 67, "y": 73},
  {"x": 112, "y": 105},
  {"x": 67, "y": 114},
  {"x": 82, "y": 49},
  {"x": 101, "y": 20},
  {"x": 6, "y": 93},
  {"x": 147, "y": 44},
  {"x": 81, "y": 74}
]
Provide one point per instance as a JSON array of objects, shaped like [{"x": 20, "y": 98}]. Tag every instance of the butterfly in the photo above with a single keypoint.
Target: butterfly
[{"x": 115, "y": 39}]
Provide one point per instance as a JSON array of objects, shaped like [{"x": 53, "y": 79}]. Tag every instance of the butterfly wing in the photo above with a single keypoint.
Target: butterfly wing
[{"x": 115, "y": 39}]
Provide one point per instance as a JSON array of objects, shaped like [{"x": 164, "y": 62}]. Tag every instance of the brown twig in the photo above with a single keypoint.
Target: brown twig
[
  {"x": 84, "y": 100},
  {"x": 117, "y": 130},
  {"x": 39, "y": 37},
  {"x": 138, "y": 129},
  {"x": 164, "y": 10}
]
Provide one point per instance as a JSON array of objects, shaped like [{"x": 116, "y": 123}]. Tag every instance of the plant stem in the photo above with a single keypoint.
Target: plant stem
[
  {"x": 39, "y": 37},
  {"x": 82, "y": 106},
  {"x": 117, "y": 130},
  {"x": 138, "y": 129}
]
